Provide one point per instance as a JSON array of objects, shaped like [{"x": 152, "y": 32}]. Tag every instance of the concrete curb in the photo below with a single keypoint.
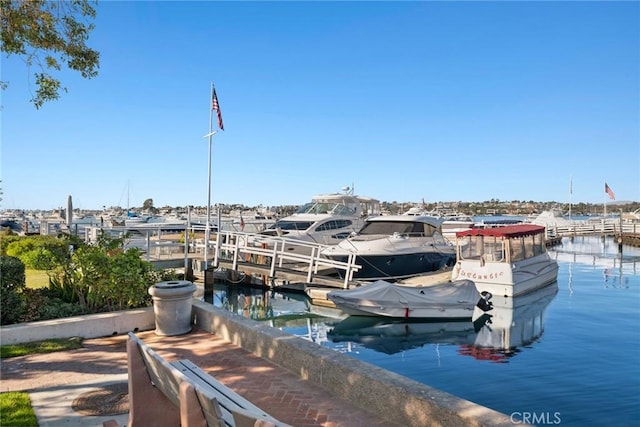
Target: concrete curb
[{"x": 89, "y": 326}]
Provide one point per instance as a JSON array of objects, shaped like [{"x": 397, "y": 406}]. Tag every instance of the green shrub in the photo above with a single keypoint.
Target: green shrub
[
  {"x": 104, "y": 277},
  {"x": 6, "y": 237},
  {"x": 39, "y": 252},
  {"x": 12, "y": 285},
  {"x": 91, "y": 278},
  {"x": 43, "y": 305}
]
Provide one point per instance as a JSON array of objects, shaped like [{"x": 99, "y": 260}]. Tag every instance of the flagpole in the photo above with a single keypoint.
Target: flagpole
[
  {"x": 604, "y": 204},
  {"x": 207, "y": 233},
  {"x": 570, "y": 195}
]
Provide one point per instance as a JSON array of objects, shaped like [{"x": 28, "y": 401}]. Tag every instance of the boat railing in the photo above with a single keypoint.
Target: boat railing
[{"x": 276, "y": 253}]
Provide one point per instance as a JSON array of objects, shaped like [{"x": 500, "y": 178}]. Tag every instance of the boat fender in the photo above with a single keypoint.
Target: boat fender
[{"x": 406, "y": 313}]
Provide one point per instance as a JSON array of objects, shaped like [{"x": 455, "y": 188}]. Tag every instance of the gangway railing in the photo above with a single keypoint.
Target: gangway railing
[
  {"x": 586, "y": 228},
  {"x": 278, "y": 253}
]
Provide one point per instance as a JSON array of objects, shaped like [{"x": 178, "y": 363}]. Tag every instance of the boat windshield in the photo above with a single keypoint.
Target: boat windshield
[
  {"x": 397, "y": 227},
  {"x": 495, "y": 248},
  {"x": 326, "y": 207},
  {"x": 291, "y": 225}
]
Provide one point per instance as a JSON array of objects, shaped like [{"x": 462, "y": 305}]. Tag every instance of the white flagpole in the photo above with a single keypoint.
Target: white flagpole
[
  {"x": 570, "y": 195},
  {"x": 207, "y": 233}
]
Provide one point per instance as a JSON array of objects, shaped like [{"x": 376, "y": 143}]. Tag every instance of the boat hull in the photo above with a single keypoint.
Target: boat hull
[
  {"x": 508, "y": 280},
  {"x": 450, "y": 300},
  {"x": 402, "y": 312},
  {"x": 398, "y": 266}
]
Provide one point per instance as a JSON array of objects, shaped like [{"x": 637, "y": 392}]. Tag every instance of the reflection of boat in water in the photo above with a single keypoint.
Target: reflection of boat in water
[
  {"x": 493, "y": 335},
  {"x": 393, "y": 336},
  {"x": 512, "y": 323}
]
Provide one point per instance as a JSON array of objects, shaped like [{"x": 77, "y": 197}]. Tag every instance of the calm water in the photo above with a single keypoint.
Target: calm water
[{"x": 570, "y": 356}]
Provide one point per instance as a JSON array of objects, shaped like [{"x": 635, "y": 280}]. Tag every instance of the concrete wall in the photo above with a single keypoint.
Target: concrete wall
[
  {"x": 90, "y": 326},
  {"x": 390, "y": 396}
]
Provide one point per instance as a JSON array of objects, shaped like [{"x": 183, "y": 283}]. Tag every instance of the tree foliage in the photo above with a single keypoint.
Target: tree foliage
[{"x": 47, "y": 34}]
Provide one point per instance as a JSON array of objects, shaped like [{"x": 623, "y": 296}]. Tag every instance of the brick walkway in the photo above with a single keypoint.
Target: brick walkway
[{"x": 272, "y": 388}]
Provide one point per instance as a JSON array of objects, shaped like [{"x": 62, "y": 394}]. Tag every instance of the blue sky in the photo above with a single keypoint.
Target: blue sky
[{"x": 446, "y": 101}]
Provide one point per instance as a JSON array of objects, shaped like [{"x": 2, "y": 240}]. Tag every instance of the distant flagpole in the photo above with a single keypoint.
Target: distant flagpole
[
  {"x": 570, "y": 194},
  {"x": 215, "y": 106}
]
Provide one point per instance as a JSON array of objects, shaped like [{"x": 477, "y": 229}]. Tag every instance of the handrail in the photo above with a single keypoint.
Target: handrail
[
  {"x": 273, "y": 252},
  {"x": 606, "y": 227}
]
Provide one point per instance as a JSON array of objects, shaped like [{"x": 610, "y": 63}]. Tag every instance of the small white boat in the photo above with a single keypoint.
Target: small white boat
[
  {"x": 449, "y": 300},
  {"x": 506, "y": 261}
]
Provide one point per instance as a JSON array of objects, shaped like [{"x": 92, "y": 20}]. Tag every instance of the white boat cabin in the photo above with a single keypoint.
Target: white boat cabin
[
  {"x": 506, "y": 261},
  {"x": 501, "y": 244}
]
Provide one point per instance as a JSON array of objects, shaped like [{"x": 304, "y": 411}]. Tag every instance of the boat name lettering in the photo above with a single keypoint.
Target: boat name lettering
[{"x": 474, "y": 275}]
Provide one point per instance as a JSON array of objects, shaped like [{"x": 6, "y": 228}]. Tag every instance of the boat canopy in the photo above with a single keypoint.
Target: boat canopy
[{"x": 508, "y": 231}]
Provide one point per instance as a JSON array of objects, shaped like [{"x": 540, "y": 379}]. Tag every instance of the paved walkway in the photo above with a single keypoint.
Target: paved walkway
[{"x": 53, "y": 379}]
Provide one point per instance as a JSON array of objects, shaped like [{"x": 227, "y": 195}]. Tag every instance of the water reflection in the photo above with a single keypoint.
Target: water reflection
[
  {"x": 513, "y": 323},
  {"x": 497, "y": 335},
  {"x": 258, "y": 303},
  {"x": 617, "y": 263},
  {"x": 394, "y": 336}
]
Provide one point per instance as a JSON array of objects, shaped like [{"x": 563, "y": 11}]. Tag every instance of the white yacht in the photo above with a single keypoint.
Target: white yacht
[
  {"x": 393, "y": 247},
  {"x": 326, "y": 220}
]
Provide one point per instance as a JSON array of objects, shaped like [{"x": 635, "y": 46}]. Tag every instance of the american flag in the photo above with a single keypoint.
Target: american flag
[
  {"x": 609, "y": 191},
  {"x": 215, "y": 106}
]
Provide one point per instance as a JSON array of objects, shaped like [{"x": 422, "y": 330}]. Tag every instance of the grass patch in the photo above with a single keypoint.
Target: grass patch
[
  {"x": 47, "y": 346},
  {"x": 16, "y": 410},
  {"x": 36, "y": 279}
]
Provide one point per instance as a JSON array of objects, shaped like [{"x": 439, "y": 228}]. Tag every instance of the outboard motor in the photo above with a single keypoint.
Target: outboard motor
[
  {"x": 484, "y": 303},
  {"x": 481, "y": 317}
]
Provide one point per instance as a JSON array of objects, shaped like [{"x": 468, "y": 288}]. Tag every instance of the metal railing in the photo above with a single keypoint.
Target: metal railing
[
  {"x": 586, "y": 228},
  {"x": 278, "y": 253}
]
